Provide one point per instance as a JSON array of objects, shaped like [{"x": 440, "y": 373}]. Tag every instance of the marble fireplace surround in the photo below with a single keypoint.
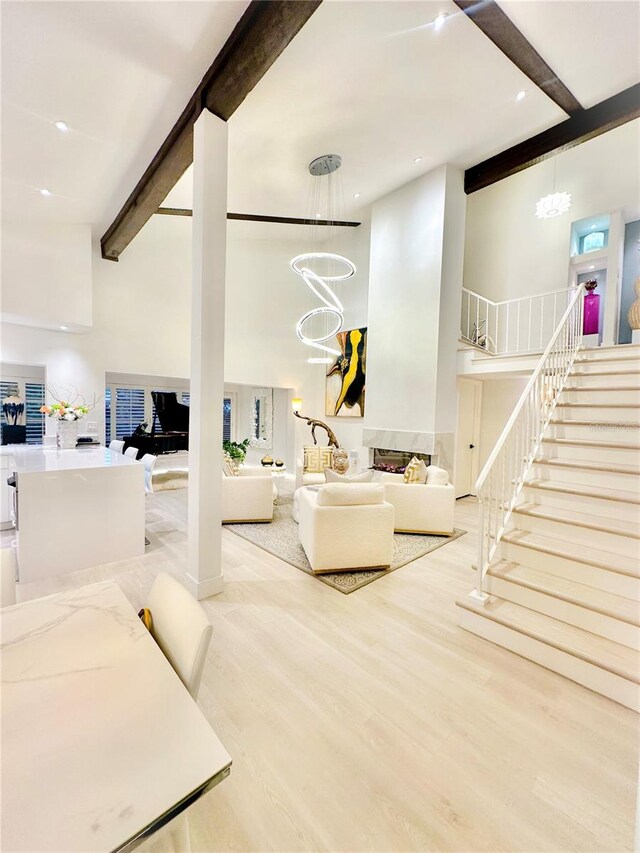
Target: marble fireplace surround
[{"x": 439, "y": 445}]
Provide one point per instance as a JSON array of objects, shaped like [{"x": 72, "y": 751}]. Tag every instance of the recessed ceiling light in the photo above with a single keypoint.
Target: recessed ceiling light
[
  {"x": 521, "y": 95},
  {"x": 356, "y": 195},
  {"x": 417, "y": 159},
  {"x": 593, "y": 227},
  {"x": 317, "y": 216},
  {"x": 64, "y": 328},
  {"x": 44, "y": 191},
  {"x": 439, "y": 20},
  {"x": 62, "y": 126},
  {"x": 592, "y": 267}
]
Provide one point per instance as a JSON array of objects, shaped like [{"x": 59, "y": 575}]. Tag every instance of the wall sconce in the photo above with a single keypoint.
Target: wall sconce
[{"x": 296, "y": 404}]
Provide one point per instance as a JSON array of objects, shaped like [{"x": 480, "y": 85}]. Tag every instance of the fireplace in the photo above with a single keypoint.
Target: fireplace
[{"x": 395, "y": 461}]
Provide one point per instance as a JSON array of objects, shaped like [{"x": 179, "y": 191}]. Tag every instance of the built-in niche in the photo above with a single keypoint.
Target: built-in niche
[{"x": 596, "y": 253}]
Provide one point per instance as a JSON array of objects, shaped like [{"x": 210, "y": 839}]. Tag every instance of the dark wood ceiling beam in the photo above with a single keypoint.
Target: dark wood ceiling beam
[
  {"x": 258, "y": 39},
  {"x": 585, "y": 125},
  {"x": 259, "y": 217},
  {"x": 496, "y": 25}
]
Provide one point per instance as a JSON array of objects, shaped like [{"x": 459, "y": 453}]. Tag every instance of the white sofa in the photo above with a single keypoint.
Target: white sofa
[
  {"x": 249, "y": 496},
  {"x": 420, "y": 508},
  {"x": 344, "y": 527}
]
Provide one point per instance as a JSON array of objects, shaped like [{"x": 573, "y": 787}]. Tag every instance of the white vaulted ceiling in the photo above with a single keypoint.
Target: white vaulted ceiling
[
  {"x": 594, "y": 48},
  {"x": 119, "y": 73},
  {"x": 376, "y": 82}
]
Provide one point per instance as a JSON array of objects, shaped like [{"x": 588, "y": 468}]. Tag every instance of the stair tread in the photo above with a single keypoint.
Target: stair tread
[
  {"x": 598, "y": 405},
  {"x": 596, "y": 650},
  {"x": 579, "y": 519},
  {"x": 618, "y": 468},
  {"x": 631, "y": 497},
  {"x": 601, "y": 388},
  {"x": 630, "y": 371},
  {"x": 594, "y": 599},
  {"x": 589, "y": 442},
  {"x": 581, "y": 553},
  {"x": 593, "y": 423},
  {"x": 631, "y": 358},
  {"x": 615, "y": 351}
]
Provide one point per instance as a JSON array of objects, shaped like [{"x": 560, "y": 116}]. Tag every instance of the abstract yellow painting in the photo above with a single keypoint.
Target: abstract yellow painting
[{"x": 345, "y": 387}]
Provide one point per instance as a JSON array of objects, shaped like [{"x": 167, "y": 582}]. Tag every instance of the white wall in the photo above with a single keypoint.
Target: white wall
[
  {"x": 417, "y": 235},
  {"x": 46, "y": 274},
  {"x": 499, "y": 398},
  {"x": 511, "y": 253}
]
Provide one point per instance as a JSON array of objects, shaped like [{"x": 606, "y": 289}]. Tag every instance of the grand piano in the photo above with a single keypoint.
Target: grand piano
[{"x": 174, "y": 427}]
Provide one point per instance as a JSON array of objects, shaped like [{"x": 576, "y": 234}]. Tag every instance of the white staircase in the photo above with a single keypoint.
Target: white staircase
[{"x": 559, "y": 584}]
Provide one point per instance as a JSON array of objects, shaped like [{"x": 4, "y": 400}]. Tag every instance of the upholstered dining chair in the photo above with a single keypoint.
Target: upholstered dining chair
[
  {"x": 116, "y": 445},
  {"x": 132, "y": 452},
  {"x": 181, "y": 628},
  {"x": 149, "y": 462}
]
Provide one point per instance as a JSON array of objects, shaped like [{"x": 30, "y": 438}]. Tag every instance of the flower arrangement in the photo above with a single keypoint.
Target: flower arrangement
[{"x": 64, "y": 411}]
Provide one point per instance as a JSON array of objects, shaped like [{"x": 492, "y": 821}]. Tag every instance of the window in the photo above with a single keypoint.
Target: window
[
  {"x": 128, "y": 403},
  {"x": 593, "y": 241},
  {"x": 129, "y": 410},
  {"x": 227, "y": 411},
  {"x": 107, "y": 415},
  {"x": 34, "y": 398}
]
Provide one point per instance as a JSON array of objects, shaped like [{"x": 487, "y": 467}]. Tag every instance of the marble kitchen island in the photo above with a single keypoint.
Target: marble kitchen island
[{"x": 76, "y": 508}]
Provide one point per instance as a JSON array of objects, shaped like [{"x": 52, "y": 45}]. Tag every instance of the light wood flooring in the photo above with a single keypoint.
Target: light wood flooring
[{"x": 371, "y": 722}]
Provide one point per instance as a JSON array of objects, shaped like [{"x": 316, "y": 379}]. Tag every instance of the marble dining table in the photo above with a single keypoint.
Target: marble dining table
[{"x": 101, "y": 741}]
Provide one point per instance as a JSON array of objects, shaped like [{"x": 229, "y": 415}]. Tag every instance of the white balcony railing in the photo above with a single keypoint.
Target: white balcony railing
[
  {"x": 513, "y": 326},
  {"x": 504, "y": 473}
]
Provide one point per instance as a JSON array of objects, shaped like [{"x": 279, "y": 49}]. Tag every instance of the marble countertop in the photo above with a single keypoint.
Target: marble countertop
[
  {"x": 36, "y": 458},
  {"x": 99, "y": 735}
]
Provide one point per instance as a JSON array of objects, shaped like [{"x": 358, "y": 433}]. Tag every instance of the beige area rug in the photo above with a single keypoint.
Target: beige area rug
[
  {"x": 167, "y": 481},
  {"x": 280, "y": 538}
]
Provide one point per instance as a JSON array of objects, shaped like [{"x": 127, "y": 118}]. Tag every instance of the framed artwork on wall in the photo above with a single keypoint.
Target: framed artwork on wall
[{"x": 345, "y": 387}]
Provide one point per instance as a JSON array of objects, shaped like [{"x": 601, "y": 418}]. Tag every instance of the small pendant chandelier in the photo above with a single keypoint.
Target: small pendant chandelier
[
  {"x": 317, "y": 268},
  {"x": 554, "y": 204}
]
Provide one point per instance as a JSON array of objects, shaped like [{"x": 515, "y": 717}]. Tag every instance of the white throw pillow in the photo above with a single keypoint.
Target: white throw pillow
[
  {"x": 332, "y": 476},
  {"x": 437, "y": 476},
  {"x": 350, "y": 494},
  {"x": 416, "y": 472},
  {"x": 316, "y": 459}
]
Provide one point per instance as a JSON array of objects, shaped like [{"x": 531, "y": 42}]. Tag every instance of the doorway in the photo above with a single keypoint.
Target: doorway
[{"x": 467, "y": 436}]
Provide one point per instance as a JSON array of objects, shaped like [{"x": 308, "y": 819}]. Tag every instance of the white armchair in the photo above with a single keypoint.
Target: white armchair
[
  {"x": 420, "y": 508},
  {"x": 344, "y": 527},
  {"x": 248, "y": 497}
]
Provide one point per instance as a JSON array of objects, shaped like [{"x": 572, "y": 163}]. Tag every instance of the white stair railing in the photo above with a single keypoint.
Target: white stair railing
[
  {"x": 504, "y": 473},
  {"x": 513, "y": 325}
]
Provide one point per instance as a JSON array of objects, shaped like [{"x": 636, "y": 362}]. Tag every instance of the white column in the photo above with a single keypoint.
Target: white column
[{"x": 209, "y": 240}]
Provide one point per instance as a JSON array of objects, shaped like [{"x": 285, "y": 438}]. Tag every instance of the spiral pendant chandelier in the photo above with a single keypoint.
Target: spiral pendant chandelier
[{"x": 316, "y": 268}]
